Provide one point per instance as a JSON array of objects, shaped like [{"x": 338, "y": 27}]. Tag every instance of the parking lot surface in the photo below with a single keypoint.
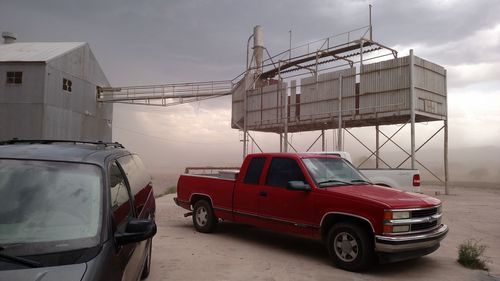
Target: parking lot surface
[{"x": 240, "y": 252}]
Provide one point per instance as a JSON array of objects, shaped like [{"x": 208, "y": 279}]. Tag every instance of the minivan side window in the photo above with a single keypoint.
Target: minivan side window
[
  {"x": 136, "y": 173},
  {"x": 120, "y": 198},
  {"x": 254, "y": 170},
  {"x": 283, "y": 170}
]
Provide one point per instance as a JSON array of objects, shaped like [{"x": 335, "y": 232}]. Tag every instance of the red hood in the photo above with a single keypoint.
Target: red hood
[{"x": 392, "y": 198}]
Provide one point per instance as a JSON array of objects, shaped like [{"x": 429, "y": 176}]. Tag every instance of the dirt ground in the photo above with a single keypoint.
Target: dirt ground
[{"x": 239, "y": 252}]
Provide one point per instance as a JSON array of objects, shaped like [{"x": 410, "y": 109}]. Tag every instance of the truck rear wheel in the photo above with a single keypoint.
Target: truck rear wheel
[
  {"x": 350, "y": 247},
  {"x": 204, "y": 219}
]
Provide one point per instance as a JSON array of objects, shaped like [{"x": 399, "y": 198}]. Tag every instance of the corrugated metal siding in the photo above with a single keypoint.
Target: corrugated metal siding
[
  {"x": 385, "y": 86},
  {"x": 320, "y": 100},
  {"x": 254, "y": 101},
  {"x": 430, "y": 87},
  {"x": 292, "y": 103},
  {"x": 272, "y": 101},
  {"x": 384, "y": 92},
  {"x": 23, "y": 121}
]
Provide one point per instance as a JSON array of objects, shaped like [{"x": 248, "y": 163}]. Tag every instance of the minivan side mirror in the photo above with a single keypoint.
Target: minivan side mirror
[
  {"x": 298, "y": 185},
  {"x": 137, "y": 230}
]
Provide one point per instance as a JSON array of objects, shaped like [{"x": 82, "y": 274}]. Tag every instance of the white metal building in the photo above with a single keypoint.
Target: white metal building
[{"x": 48, "y": 91}]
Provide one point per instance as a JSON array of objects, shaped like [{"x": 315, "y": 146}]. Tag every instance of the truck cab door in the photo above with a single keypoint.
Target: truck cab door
[
  {"x": 246, "y": 205},
  {"x": 285, "y": 209}
]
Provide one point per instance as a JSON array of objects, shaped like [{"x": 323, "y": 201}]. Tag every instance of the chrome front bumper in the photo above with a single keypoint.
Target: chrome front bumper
[{"x": 406, "y": 243}]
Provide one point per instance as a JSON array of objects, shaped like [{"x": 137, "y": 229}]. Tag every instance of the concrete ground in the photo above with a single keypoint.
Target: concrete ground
[{"x": 239, "y": 252}]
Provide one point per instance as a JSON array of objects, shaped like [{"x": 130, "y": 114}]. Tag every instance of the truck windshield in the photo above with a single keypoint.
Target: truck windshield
[
  {"x": 49, "y": 206},
  {"x": 327, "y": 171}
]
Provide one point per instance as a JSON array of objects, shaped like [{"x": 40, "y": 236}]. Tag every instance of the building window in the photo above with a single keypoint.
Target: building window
[
  {"x": 67, "y": 84},
  {"x": 14, "y": 77}
]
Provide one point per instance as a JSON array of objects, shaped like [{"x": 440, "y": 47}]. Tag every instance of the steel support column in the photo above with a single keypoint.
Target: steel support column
[
  {"x": 412, "y": 107},
  {"x": 323, "y": 140},
  {"x": 377, "y": 145},
  {"x": 446, "y": 171},
  {"x": 339, "y": 141}
]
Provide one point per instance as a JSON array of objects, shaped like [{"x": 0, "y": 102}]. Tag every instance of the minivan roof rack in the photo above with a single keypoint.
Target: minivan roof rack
[{"x": 105, "y": 144}]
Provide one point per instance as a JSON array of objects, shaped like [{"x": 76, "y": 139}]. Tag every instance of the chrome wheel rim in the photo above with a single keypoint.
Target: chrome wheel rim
[
  {"x": 201, "y": 216},
  {"x": 346, "y": 247}
]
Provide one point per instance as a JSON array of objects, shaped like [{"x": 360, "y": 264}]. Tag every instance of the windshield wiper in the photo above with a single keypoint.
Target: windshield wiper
[
  {"x": 362, "y": 181},
  {"x": 19, "y": 260},
  {"x": 334, "y": 181}
]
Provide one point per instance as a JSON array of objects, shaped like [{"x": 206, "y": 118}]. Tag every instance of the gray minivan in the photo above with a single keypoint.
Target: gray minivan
[{"x": 74, "y": 210}]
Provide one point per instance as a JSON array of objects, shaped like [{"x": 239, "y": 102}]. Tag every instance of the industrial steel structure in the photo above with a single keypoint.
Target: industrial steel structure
[{"x": 340, "y": 82}]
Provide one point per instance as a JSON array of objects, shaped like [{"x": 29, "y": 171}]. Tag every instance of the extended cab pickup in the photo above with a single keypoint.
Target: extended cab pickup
[{"x": 320, "y": 197}]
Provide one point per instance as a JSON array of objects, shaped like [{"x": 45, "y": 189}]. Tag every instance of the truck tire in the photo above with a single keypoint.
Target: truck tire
[
  {"x": 350, "y": 246},
  {"x": 204, "y": 219}
]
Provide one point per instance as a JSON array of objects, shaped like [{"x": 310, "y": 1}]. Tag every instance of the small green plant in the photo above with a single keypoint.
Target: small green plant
[{"x": 470, "y": 255}]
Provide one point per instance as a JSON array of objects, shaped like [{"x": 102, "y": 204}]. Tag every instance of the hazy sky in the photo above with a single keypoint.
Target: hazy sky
[{"x": 156, "y": 42}]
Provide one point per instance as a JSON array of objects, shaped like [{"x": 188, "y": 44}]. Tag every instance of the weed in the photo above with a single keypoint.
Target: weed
[{"x": 470, "y": 255}]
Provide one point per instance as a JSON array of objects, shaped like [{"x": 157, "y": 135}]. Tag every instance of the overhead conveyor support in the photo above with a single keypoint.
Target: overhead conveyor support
[{"x": 166, "y": 94}]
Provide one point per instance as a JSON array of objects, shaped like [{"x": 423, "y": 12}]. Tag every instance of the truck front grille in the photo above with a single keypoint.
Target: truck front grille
[
  {"x": 423, "y": 226},
  {"x": 423, "y": 213}
]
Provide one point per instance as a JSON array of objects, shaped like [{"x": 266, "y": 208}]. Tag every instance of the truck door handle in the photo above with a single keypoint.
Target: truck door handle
[{"x": 263, "y": 193}]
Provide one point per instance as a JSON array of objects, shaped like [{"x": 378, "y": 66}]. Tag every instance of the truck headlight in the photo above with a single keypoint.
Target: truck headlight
[
  {"x": 396, "y": 228},
  {"x": 400, "y": 228},
  {"x": 396, "y": 215}
]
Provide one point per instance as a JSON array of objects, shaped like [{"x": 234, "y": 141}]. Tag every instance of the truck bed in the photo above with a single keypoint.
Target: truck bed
[{"x": 219, "y": 190}]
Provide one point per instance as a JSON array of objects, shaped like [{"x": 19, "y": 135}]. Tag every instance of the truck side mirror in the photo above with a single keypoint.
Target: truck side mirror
[
  {"x": 298, "y": 185},
  {"x": 137, "y": 230}
]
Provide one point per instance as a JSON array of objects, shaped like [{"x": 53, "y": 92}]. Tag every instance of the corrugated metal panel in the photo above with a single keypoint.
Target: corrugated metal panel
[
  {"x": 430, "y": 87},
  {"x": 272, "y": 103},
  {"x": 293, "y": 99},
  {"x": 23, "y": 121},
  {"x": 320, "y": 100},
  {"x": 35, "y": 51},
  {"x": 254, "y": 108},
  {"x": 384, "y": 86},
  {"x": 237, "y": 101}
]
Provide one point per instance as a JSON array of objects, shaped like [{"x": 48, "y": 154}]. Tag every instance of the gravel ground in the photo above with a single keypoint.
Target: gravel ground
[{"x": 240, "y": 252}]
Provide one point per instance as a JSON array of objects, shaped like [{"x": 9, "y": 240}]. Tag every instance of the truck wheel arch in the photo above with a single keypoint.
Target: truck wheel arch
[
  {"x": 331, "y": 218},
  {"x": 195, "y": 197}
]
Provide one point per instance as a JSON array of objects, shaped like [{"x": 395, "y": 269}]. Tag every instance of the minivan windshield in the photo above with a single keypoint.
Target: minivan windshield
[
  {"x": 49, "y": 206},
  {"x": 330, "y": 171}
]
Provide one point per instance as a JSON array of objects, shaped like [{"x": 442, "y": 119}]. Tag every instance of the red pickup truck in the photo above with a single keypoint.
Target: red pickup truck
[{"x": 320, "y": 197}]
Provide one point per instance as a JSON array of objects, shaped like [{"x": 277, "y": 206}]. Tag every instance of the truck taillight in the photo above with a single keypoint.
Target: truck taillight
[{"x": 416, "y": 180}]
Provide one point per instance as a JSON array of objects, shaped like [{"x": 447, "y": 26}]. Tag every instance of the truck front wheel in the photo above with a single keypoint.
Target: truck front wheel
[
  {"x": 349, "y": 246},
  {"x": 204, "y": 219}
]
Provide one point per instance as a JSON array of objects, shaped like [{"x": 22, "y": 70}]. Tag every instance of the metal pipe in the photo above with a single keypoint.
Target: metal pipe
[
  {"x": 258, "y": 48},
  {"x": 371, "y": 27},
  {"x": 281, "y": 142},
  {"x": 323, "y": 140},
  {"x": 285, "y": 121},
  {"x": 248, "y": 48},
  {"x": 412, "y": 108},
  {"x": 339, "y": 141},
  {"x": 377, "y": 145},
  {"x": 446, "y": 171}
]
